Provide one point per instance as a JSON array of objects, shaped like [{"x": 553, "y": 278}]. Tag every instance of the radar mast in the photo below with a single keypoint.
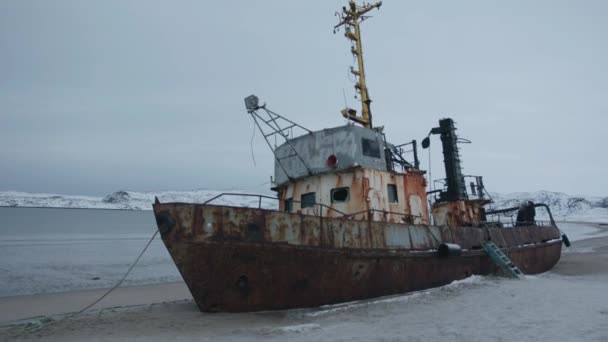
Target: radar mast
[{"x": 350, "y": 17}]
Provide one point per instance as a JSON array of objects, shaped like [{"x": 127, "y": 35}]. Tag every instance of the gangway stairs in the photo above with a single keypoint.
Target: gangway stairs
[{"x": 502, "y": 260}]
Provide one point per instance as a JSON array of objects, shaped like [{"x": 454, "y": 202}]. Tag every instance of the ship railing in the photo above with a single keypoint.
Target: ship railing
[
  {"x": 512, "y": 223},
  {"x": 475, "y": 188},
  {"x": 407, "y": 218},
  {"x": 260, "y": 197},
  {"x": 241, "y": 195},
  {"x": 508, "y": 212},
  {"x": 396, "y": 155}
]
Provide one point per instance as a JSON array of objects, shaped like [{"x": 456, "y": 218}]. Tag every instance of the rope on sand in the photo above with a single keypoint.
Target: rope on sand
[
  {"x": 119, "y": 282},
  {"x": 45, "y": 322}
]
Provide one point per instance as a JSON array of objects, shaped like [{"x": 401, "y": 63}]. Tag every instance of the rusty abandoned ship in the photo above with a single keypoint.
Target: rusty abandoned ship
[{"x": 354, "y": 219}]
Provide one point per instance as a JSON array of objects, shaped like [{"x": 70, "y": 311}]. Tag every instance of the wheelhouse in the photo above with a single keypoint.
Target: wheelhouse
[{"x": 350, "y": 171}]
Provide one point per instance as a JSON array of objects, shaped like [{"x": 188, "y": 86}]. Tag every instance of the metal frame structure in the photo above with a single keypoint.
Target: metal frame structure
[{"x": 276, "y": 125}]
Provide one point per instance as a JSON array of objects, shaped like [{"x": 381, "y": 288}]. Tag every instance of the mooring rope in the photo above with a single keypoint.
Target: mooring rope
[
  {"x": 51, "y": 322},
  {"x": 120, "y": 281}
]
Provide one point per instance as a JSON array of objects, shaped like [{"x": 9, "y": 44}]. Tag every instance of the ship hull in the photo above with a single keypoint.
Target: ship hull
[{"x": 240, "y": 259}]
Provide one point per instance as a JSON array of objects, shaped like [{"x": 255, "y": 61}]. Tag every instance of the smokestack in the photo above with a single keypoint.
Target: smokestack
[{"x": 451, "y": 159}]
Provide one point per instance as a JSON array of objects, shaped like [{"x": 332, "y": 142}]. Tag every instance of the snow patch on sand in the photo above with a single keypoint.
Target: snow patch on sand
[{"x": 299, "y": 329}]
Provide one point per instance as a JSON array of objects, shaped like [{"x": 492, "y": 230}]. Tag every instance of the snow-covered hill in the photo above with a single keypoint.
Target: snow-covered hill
[
  {"x": 563, "y": 206},
  {"x": 130, "y": 200}
]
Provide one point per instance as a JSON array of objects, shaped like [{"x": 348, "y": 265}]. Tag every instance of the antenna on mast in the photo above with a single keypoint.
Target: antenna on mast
[{"x": 350, "y": 17}]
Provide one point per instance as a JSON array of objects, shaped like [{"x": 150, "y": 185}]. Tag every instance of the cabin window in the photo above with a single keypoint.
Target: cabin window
[
  {"x": 289, "y": 205},
  {"x": 307, "y": 200},
  {"x": 371, "y": 148},
  {"x": 392, "y": 193},
  {"x": 340, "y": 195}
]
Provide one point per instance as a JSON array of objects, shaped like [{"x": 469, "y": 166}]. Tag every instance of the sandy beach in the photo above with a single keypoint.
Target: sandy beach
[{"x": 569, "y": 303}]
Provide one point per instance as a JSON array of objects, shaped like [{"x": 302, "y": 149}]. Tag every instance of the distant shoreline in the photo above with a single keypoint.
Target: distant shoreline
[{"x": 39, "y": 207}]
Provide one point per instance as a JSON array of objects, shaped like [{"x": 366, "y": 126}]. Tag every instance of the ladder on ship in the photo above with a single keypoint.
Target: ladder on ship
[{"x": 502, "y": 260}]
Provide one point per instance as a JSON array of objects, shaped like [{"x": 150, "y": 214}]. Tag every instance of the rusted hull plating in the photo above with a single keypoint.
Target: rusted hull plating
[{"x": 239, "y": 259}]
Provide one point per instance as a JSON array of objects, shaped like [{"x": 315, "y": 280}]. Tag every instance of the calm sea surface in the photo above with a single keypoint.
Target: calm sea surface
[{"x": 53, "y": 250}]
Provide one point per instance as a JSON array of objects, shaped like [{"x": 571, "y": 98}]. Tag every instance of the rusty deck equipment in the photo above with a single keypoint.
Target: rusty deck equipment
[{"x": 353, "y": 217}]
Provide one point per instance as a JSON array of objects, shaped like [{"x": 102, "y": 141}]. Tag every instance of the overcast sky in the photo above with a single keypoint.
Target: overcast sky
[{"x": 99, "y": 96}]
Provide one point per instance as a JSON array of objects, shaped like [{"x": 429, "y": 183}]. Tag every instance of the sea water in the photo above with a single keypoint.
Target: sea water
[{"x": 46, "y": 250}]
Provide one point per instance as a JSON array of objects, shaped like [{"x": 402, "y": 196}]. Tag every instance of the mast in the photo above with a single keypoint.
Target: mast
[{"x": 350, "y": 18}]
